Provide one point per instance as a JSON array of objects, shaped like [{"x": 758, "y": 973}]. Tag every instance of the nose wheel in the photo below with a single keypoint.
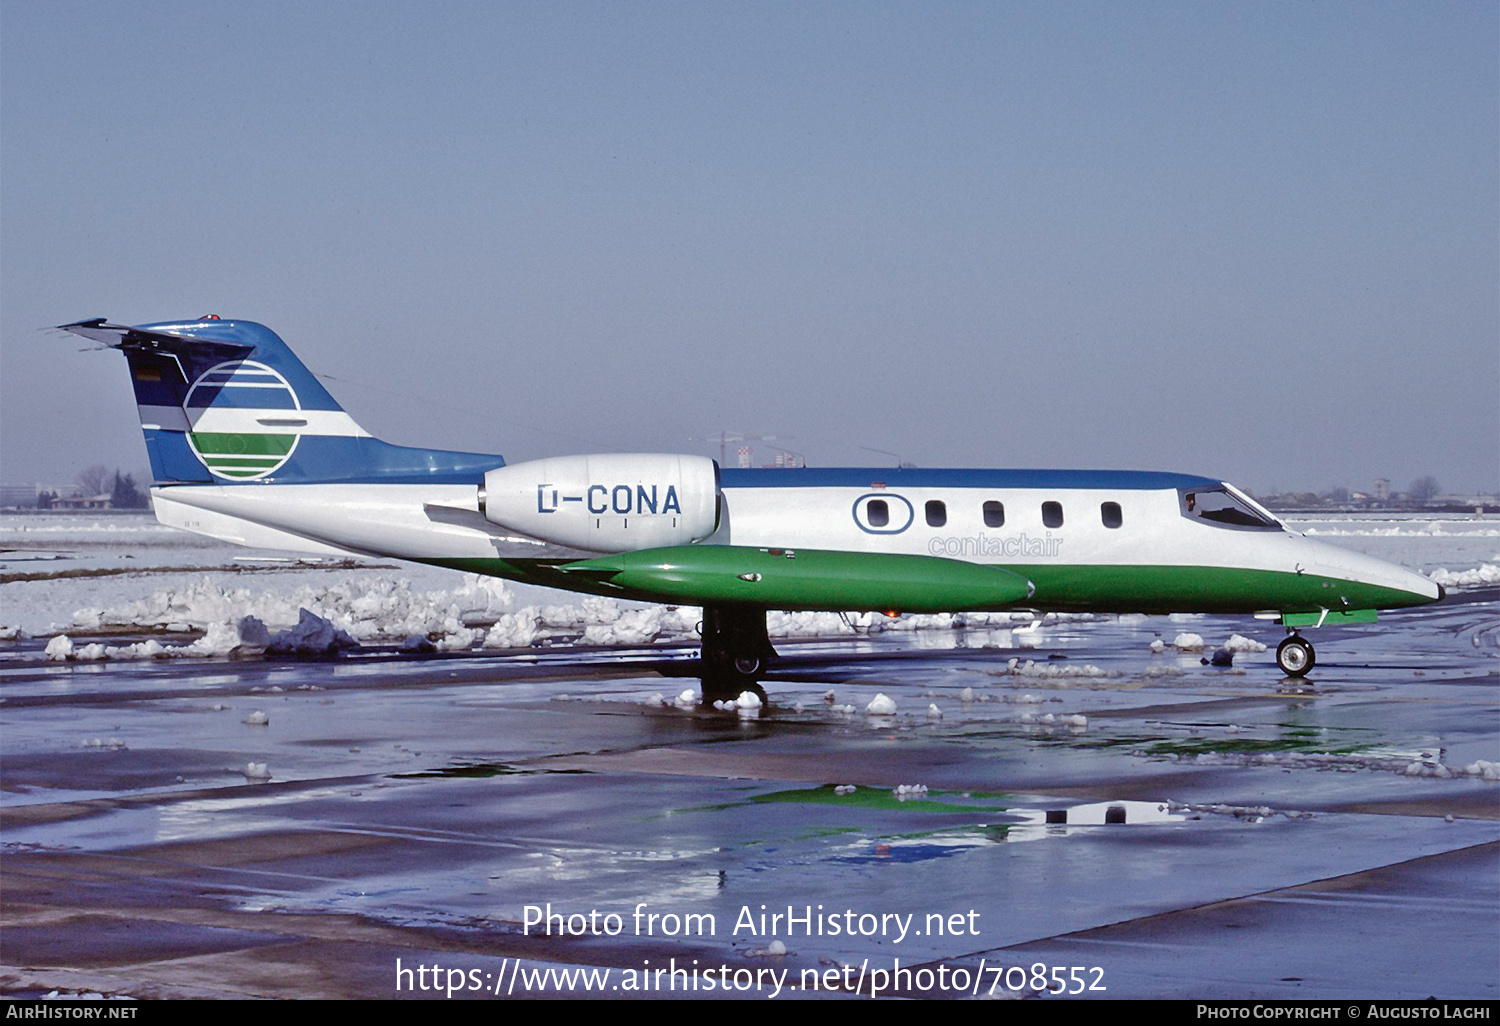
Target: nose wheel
[{"x": 1295, "y": 655}]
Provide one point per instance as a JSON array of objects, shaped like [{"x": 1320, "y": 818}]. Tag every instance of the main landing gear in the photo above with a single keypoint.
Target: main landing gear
[
  {"x": 736, "y": 651},
  {"x": 1295, "y": 655}
]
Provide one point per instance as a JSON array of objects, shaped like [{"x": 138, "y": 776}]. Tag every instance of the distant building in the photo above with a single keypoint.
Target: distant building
[
  {"x": 18, "y": 496},
  {"x": 1382, "y": 489},
  {"x": 104, "y": 501}
]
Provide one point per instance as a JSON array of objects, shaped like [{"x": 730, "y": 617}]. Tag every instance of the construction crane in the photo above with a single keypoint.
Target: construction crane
[{"x": 725, "y": 437}]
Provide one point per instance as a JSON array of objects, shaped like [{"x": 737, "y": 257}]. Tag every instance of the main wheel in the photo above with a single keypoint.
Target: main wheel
[
  {"x": 1295, "y": 656},
  {"x": 725, "y": 676},
  {"x": 732, "y": 668}
]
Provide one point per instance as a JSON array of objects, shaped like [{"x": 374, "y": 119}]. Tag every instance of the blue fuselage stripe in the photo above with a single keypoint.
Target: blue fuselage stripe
[{"x": 916, "y": 477}]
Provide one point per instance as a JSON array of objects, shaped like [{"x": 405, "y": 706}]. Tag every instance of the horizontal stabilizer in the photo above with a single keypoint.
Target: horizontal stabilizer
[{"x": 123, "y": 336}]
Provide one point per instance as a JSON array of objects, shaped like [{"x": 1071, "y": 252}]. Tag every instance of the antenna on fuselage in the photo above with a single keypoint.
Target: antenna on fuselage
[{"x": 900, "y": 463}]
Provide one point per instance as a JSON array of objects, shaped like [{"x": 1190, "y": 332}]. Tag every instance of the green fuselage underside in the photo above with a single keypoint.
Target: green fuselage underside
[{"x": 1096, "y": 588}]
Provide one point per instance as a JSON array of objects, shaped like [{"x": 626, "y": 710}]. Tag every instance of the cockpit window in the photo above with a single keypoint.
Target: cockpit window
[{"x": 1221, "y": 506}]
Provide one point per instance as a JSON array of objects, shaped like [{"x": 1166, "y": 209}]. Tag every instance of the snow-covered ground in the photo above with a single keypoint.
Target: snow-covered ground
[
  {"x": 88, "y": 573},
  {"x": 1451, "y": 543}
]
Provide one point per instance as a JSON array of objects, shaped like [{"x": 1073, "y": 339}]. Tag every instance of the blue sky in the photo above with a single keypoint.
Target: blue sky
[{"x": 1252, "y": 240}]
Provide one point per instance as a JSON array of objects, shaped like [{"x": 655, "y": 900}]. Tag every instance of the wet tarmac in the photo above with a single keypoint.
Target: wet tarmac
[{"x": 1337, "y": 837}]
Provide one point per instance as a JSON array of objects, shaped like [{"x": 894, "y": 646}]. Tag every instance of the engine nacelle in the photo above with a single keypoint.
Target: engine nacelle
[{"x": 617, "y": 502}]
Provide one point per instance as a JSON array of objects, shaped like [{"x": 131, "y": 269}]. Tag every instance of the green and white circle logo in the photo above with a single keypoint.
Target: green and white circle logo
[{"x": 240, "y": 412}]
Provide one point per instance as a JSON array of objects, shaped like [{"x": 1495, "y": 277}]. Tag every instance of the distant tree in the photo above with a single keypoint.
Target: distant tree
[
  {"x": 94, "y": 480},
  {"x": 44, "y": 500},
  {"x": 124, "y": 494},
  {"x": 1424, "y": 489},
  {"x": 1338, "y": 495}
]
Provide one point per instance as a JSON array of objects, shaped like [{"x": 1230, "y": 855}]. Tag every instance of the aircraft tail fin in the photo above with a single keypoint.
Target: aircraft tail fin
[{"x": 227, "y": 402}]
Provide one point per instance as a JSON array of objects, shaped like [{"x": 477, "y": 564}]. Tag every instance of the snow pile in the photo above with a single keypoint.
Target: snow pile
[
  {"x": 627, "y": 627},
  {"x": 365, "y": 607},
  {"x": 252, "y": 632},
  {"x": 748, "y": 705},
  {"x": 515, "y": 630},
  {"x": 1483, "y": 770},
  {"x": 460, "y": 640},
  {"x": 313, "y": 636},
  {"x": 1158, "y": 647},
  {"x": 908, "y": 792},
  {"x": 1054, "y": 670},
  {"x": 1078, "y": 722},
  {"x": 966, "y": 696},
  {"x": 1187, "y": 642},
  {"x": 1238, "y": 643},
  {"x": 624, "y": 626},
  {"x": 775, "y": 949},
  {"x": 880, "y": 705},
  {"x": 220, "y": 639},
  {"x": 811, "y": 625},
  {"x": 687, "y": 699},
  {"x": 781, "y": 624},
  {"x": 113, "y": 744},
  {"x": 1479, "y": 576},
  {"x": 933, "y": 712},
  {"x": 256, "y": 771},
  {"x": 844, "y": 789},
  {"x": 1427, "y": 766},
  {"x": 224, "y": 638},
  {"x": 12, "y": 634},
  {"x": 257, "y": 719},
  {"x": 925, "y": 622},
  {"x": 1253, "y": 813}
]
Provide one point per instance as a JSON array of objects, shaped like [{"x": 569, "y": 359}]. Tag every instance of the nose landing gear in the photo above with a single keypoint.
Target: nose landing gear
[{"x": 1295, "y": 655}]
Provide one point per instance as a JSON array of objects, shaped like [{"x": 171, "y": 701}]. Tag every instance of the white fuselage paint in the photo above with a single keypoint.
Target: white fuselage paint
[
  {"x": 324, "y": 423},
  {"x": 423, "y": 522}
]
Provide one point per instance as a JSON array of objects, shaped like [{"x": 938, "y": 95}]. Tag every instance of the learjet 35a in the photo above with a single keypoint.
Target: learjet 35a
[{"x": 247, "y": 446}]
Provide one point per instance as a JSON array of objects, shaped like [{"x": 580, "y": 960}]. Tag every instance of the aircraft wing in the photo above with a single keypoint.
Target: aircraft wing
[{"x": 804, "y": 579}]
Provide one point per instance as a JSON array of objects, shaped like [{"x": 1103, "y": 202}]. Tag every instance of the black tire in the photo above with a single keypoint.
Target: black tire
[
  {"x": 728, "y": 674},
  {"x": 1295, "y": 656}
]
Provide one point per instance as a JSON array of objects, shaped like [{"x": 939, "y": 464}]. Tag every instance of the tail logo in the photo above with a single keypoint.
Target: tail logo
[{"x": 240, "y": 414}]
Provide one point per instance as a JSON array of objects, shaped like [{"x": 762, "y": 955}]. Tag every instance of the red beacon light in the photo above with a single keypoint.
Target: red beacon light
[{"x": 209, "y": 317}]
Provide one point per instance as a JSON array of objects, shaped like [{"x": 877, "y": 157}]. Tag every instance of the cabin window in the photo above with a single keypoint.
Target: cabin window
[
  {"x": 1109, "y": 512},
  {"x": 878, "y": 512},
  {"x": 994, "y": 514},
  {"x": 937, "y": 513},
  {"x": 1052, "y": 514},
  {"x": 1220, "y": 506}
]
